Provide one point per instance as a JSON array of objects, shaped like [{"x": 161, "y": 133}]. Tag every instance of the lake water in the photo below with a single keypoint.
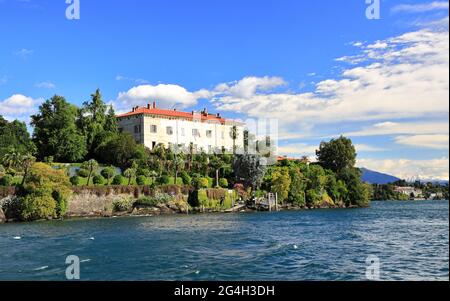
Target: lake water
[{"x": 411, "y": 240}]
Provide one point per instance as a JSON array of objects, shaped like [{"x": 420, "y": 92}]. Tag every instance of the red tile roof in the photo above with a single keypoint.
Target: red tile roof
[{"x": 152, "y": 110}]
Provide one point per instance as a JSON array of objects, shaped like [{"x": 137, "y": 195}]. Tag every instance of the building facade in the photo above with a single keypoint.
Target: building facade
[{"x": 206, "y": 132}]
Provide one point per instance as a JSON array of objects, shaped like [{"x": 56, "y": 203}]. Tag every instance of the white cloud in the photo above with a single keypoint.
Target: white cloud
[
  {"x": 424, "y": 141},
  {"x": 248, "y": 86},
  {"x": 402, "y": 77},
  {"x": 19, "y": 106},
  {"x": 23, "y": 53},
  {"x": 410, "y": 169},
  {"x": 167, "y": 96},
  {"x": 396, "y": 128},
  {"x": 302, "y": 149},
  {"x": 420, "y": 8},
  {"x": 45, "y": 85}
]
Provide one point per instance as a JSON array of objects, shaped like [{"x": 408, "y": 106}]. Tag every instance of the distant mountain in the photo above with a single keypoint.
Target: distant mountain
[{"x": 374, "y": 177}]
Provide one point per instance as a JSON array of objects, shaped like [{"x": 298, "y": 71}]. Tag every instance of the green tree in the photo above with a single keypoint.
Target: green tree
[
  {"x": 249, "y": 169},
  {"x": 337, "y": 154},
  {"x": 297, "y": 191},
  {"x": 281, "y": 183},
  {"x": 108, "y": 173},
  {"x": 91, "y": 166},
  {"x": 119, "y": 151},
  {"x": 26, "y": 162},
  {"x": 129, "y": 174},
  {"x": 55, "y": 132},
  {"x": 14, "y": 135},
  {"x": 97, "y": 122}
]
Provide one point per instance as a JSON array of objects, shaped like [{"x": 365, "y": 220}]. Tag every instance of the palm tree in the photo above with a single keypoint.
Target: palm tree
[
  {"x": 91, "y": 166},
  {"x": 26, "y": 162},
  {"x": 11, "y": 159},
  {"x": 234, "y": 135},
  {"x": 129, "y": 174}
]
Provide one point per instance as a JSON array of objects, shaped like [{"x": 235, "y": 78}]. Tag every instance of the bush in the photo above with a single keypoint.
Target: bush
[
  {"x": 223, "y": 183},
  {"x": 75, "y": 180},
  {"x": 83, "y": 173},
  {"x": 141, "y": 180},
  {"x": 35, "y": 206},
  {"x": 119, "y": 180},
  {"x": 200, "y": 183},
  {"x": 6, "y": 180},
  {"x": 45, "y": 193},
  {"x": 163, "y": 180},
  {"x": 187, "y": 180},
  {"x": 108, "y": 173},
  {"x": 159, "y": 198},
  {"x": 99, "y": 180},
  {"x": 122, "y": 205}
]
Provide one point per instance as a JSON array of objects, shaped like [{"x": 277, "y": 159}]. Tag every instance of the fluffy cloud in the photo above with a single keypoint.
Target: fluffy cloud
[
  {"x": 401, "y": 77},
  {"x": 393, "y": 128},
  {"x": 248, "y": 86},
  {"x": 409, "y": 169},
  {"x": 424, "y": 141},
  {"x": 19, "y": 106},
  {"x": 167, "y": 96},
  {"x": 420, "y": 8}
]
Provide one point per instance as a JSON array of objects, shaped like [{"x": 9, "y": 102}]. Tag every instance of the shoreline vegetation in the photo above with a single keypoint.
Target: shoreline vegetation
[{"x": 110, "y": 174}]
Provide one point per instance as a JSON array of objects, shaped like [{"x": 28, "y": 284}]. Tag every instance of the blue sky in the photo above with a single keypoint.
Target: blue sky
[{"x": 320, "y": 67}]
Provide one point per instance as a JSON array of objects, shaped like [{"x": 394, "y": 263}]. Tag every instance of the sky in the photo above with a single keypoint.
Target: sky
[{"x": 321, "y": 68}]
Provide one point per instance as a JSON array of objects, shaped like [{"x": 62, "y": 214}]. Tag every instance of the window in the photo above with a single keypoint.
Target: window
[
  {"x": 137, "y": 129},
  {"x": 183, "y": 133},
  {"x": 169, "y": 130},
  {"x": 153, "y": 144},
  {"x": 153, "y": 129},
  {"x": 223, "y": 135},
  {"x": 195, "y": 133},
  {"x": 209, "y": 134}
]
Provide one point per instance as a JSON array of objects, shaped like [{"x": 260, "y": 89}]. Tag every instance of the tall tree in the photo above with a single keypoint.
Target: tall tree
[
  {"x": 55, "y": 132},
  {"x": 337, "y": 154},
  {"x": 97, "y": 122},
  {"x": 14, "y": 135}
]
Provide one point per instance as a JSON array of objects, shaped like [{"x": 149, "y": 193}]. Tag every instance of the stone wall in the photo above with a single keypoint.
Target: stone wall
[{"x": 89, "y": 204}]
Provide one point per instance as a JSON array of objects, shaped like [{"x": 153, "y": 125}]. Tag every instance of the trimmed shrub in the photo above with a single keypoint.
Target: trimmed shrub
[
  {"x": 99, "y": 180},
  {"x": 223, "y": 183},
  {"x": 75, "y": 180},
  {"x": 141, "y": 180},
  {"x": 83, "y": 173},
  {"x": 108, "y": 173},
  {"x": 119, "y": 180},
  {"x": 187, "y": 180},
  {"x": 163, "y": 180},
  {"x": 6, "y": 180}
]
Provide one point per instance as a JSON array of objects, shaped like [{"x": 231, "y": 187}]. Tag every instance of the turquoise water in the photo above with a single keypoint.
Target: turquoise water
[{"x": 411, "y": 239}]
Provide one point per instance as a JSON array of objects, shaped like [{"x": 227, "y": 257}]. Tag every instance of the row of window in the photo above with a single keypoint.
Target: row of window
[{"x": 170, "y": 131}]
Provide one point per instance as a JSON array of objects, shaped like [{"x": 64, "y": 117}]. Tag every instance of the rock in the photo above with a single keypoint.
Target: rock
[{"x": 2, "y": 217}]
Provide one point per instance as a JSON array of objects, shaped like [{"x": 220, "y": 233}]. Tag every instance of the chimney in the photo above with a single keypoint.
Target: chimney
[
  {"x": 218, "y": 115},
  {"x": 154, "y": 105},
  {"x": 149, "y": 106}
]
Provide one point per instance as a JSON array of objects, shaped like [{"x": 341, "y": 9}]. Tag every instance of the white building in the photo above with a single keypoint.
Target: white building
[{"x": 206, "y": 132}]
